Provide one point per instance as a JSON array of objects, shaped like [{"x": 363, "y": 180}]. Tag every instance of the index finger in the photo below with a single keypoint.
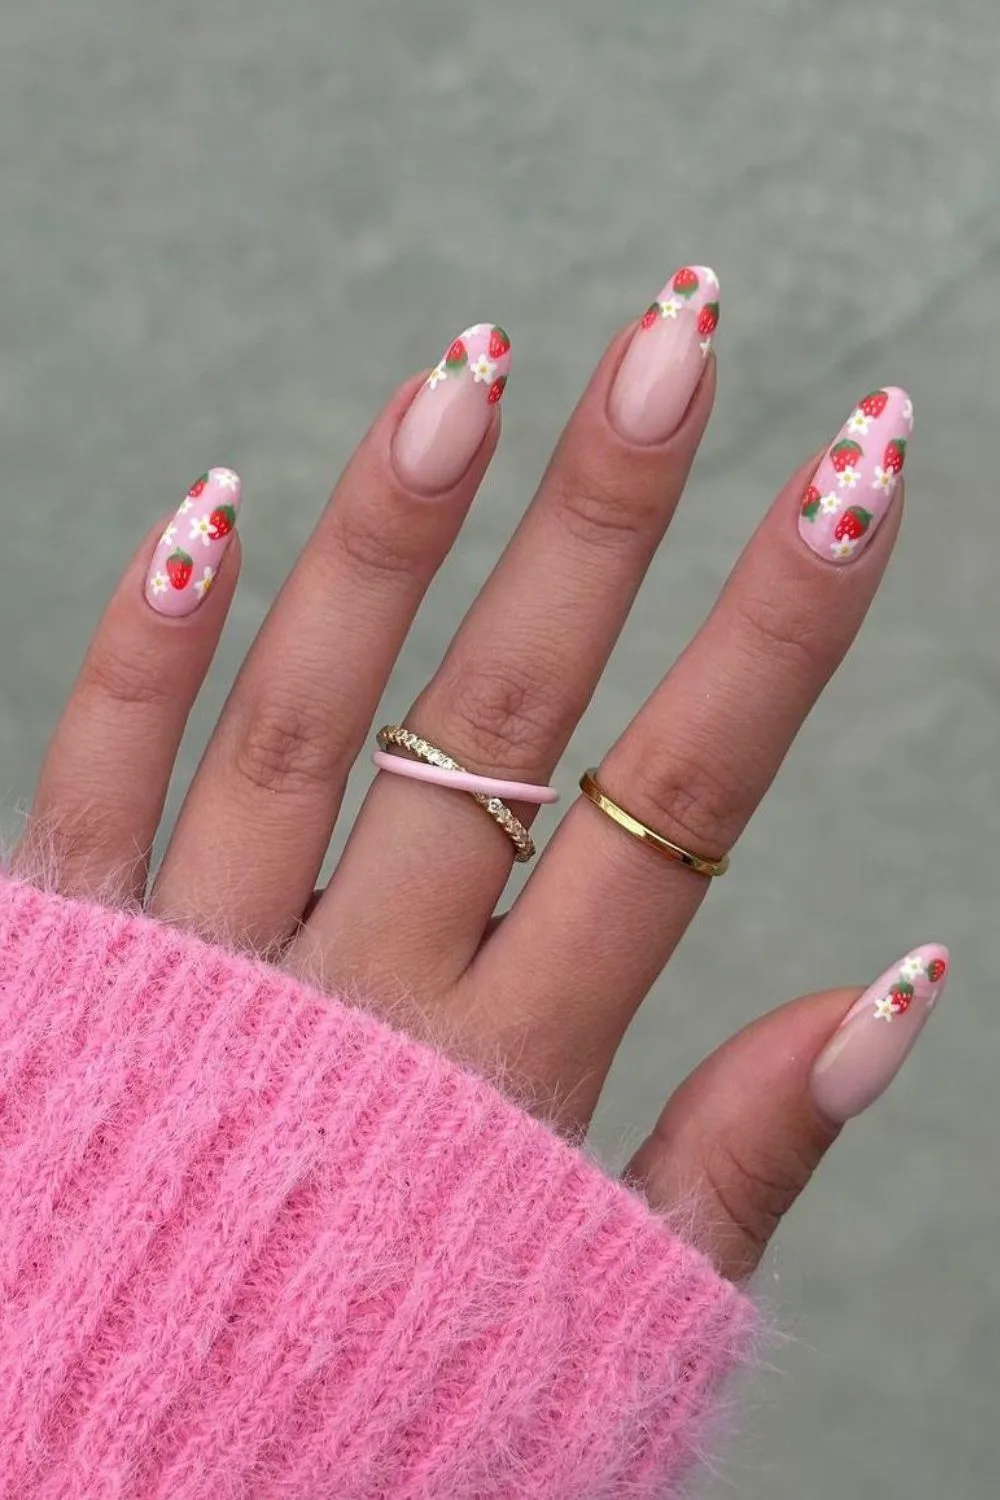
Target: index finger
[{"x": 701, "y": 753}]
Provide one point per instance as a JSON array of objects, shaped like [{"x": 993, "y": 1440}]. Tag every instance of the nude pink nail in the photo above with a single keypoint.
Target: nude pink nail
[
  {"x": 452, "y": 412},
  {"x": 664, "y": 362},
  {"x": 187, "y": 557},
  {"x": 875, "y": 1037},
  {"x": 854, "y": 485}
]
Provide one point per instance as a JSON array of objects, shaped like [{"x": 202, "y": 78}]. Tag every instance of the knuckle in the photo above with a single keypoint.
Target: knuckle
[
  {"x": 285, "y": 746},
  {"x": 694, "y": 797},
  {"x": 126, "y": 679},
  {"x": 376, "y": 554},
  {"x": 504, "y": 715},
  {"x": 775, "y": 629},
  {"x": 754, "y": 1192},
  {"x": 594, "y": 511}
]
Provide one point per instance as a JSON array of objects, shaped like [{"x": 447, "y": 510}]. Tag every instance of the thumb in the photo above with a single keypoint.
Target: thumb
[{"x": 742, "y": 1136}]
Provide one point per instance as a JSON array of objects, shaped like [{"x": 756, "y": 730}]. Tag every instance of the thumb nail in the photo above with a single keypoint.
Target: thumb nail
[{"x": 876, "y": 1036}]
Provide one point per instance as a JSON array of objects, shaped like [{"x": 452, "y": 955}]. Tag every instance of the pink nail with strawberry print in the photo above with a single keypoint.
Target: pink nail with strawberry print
[
  {"x": 663, "y": 364},
  {"x": 854, "y": 485},
  {"x": 187, "y": 557},
  {"x": 454, "y": 409},
  {"x": 876, "y": 1036}
]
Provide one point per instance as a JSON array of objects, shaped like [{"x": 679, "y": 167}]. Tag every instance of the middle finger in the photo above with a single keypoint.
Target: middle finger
[{"x": 525, "y": 662}]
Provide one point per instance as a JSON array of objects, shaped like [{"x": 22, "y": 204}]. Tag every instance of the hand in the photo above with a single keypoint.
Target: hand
[{"x": 541, "y": 998}]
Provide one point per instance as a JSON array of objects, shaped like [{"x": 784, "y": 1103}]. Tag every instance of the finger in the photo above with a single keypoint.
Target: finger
[
  {"x": 529, "y": 654},
  {"x": 741, "y": 1138},
  {"x": 105, "y": 778},
  {"x": 256, "y": 824},
  {"x": 692, "y": 766}
]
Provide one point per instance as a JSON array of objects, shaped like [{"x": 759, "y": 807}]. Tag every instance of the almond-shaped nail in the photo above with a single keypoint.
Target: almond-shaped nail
[
  {"x": 663, "y": 364},
  {"x": 854, "y": 485},
  {"x": 874, "y": 1039},
  {"x": 452, "y": 412},
  {"x": 187, "y": 557}
]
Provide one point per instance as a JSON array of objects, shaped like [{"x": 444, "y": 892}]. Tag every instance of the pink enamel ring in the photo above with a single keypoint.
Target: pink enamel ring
[
  {"x": 465, "y": 781},
  {"x": 434, "y": 766}
]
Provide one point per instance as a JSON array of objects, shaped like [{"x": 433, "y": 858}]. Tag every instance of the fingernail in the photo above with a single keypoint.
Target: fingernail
[
  {"x": 188, "y": 554},
  {"x": 452, "y": 412},
  {"x": 663, "y": 363},
  {"x": 875, "y": 1037},
  {"x": 853, "y": 487}
]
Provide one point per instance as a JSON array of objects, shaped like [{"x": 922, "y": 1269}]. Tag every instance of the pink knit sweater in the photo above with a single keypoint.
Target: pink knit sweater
[{"x": 256, "y": 1243}]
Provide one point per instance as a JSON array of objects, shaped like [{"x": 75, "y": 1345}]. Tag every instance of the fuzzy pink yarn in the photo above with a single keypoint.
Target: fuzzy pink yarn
[{"x": 257, "y": 1243}]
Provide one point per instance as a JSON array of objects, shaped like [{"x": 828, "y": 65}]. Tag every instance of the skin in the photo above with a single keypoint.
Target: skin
[{"x": 543, "y": 995}]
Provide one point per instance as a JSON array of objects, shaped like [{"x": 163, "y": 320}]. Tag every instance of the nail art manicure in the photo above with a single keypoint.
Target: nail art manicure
[
  {"x": 853, "y": 487},
  {"x": 875, "y": 1037},
  {"x": 187, "y": 557},
  {"x": 664, "y": 362},
  {"x": 452, "y": 412}
]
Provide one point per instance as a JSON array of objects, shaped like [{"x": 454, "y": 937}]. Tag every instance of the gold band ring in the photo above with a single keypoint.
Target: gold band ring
[
  {"x": 395, "y": 737},
  {"x": 590, "y": 787}
]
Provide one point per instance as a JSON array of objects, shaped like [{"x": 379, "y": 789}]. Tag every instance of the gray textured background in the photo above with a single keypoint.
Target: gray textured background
[{"x": 230, "y": 226}]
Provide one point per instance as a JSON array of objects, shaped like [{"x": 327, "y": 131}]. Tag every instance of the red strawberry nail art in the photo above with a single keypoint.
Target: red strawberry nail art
[
  {"x": 457, "y": 355},
  {"x": 692, "y": 293},
  {"x": 865, "y": 471},
  {"x": 845, "y": 455},
  {"x": 852, "y": 524},
  {"x": 685, "y": 282},
  {"x": 874, "y": 404},
  {"x": 481, "y": 353},
  {"x": 221, "y": 522},
  {"x": 180, "y": 566},
  {"x": 499, "y": 343},
  {"x": 202, "y": 528},
  {"x": 810, "y": 504},
  {"x": 894, "y": 456},
  {"x": 708, "y": 318},
  {"x": 915, "y": 979},
  {"x": 901, "y": 997}
]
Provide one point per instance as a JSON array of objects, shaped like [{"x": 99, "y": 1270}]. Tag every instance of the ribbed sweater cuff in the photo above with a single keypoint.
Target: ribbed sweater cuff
[{"x": 257, "y": 1243}]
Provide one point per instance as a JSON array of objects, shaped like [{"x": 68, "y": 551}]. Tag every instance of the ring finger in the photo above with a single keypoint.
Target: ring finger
[{"x": 274, "y": 773}]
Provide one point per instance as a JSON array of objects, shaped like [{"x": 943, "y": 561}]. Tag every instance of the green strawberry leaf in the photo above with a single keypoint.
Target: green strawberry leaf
[{"x": 811, "y": 510}]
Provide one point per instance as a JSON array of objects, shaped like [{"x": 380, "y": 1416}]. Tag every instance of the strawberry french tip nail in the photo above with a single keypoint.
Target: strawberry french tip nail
[
  {"x": 186, "y": 561},
  {"x": 452, "y": 412},
  {"x": 663, "y": 364},
  {"x": 857, "y": 478},
  {"x": 875, "y": 1037}
]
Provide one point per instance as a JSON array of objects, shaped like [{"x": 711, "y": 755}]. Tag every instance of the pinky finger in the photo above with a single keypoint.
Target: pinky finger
[
  {"x": 105, "y": 777},
  {"x": 741, "y": 1138}
]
